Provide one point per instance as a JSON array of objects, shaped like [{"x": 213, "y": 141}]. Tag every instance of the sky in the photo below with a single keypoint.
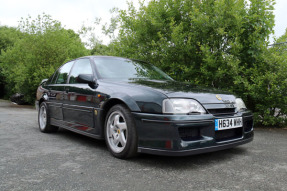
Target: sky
[{"x": 73, "y": 13}]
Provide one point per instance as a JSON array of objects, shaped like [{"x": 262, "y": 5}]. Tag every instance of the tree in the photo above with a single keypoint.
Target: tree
[
  {"x": 45, "y": 46},
  {"x": 93, "y": 42},
  {"x": 8, "y": 36},
  {"x": 100, "y": 49},
  {"x": 268, "y": 86}
]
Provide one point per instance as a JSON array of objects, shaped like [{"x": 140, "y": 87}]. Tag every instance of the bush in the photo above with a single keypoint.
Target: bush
[
  {"x": 45, "y": 46},
  {"x": 2, "y": 84},
  {"x": 8, "y": 36},
  {"x": 268, "y": 85}
]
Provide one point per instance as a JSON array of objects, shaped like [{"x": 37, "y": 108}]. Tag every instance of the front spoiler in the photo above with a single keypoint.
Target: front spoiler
[{"x": 194, "y": 151}]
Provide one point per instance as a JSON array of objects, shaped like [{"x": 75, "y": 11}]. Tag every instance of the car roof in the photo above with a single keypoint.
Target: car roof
[
  {"x": 103, "y": 57},
  {"x": 99, "y": 56}
]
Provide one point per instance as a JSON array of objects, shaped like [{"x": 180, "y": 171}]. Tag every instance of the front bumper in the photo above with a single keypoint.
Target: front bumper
[{"x": 181, "y": 135}]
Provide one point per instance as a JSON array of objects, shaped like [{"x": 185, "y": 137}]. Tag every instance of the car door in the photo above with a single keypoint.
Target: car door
[
  {"x": 56, "y": 91},
  {"x": 78, "y": 107}
]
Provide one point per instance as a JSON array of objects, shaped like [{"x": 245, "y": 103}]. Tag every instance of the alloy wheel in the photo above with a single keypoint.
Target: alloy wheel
[
  {"x": 43, "y": 117},
  {"x": 117, "y": 131}
]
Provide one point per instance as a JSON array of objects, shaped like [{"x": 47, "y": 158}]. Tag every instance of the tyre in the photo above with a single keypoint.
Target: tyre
[
  {"x": 120, "y": 132},
  {"x": 44, "y": 120}
]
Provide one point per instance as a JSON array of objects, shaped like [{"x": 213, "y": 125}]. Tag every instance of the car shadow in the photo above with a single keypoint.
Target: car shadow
[
  {"x": 155, "y": 161},
  {"x": 190, "y": 162}
]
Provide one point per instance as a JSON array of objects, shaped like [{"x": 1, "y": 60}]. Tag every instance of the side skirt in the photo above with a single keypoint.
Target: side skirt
[{"x": 60, "y": 123}]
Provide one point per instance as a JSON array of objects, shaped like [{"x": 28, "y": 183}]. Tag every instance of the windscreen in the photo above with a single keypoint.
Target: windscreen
[{"x": 119, "y": 68}]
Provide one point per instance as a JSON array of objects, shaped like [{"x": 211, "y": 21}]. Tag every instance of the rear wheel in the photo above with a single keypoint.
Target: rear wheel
[
  {"x": 44, "y": 120},
  {"x": 120, "y": 132}
]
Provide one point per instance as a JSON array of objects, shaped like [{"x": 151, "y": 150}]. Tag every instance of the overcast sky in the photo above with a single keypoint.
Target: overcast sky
[{"x": 72, "y": 13}]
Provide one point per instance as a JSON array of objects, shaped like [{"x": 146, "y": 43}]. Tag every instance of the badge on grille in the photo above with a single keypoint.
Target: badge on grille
[{"x": 218, "y": 97}]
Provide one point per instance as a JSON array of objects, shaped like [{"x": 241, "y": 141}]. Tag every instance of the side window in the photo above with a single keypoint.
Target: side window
[
  {"x": 81, "y": 66},
  {"x": 55, "y": 77},
  {"x": 63, "y": 73}
]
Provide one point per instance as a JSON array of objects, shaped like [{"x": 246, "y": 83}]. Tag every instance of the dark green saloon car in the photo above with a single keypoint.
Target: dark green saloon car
[{"x": 137, "y": 108}]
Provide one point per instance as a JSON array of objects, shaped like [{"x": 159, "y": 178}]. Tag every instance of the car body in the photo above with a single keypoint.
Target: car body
[{"x": 140, "y": 109}]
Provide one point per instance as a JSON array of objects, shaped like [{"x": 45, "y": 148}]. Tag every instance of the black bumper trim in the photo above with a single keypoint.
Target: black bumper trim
[{"x": 193, "y": 151}]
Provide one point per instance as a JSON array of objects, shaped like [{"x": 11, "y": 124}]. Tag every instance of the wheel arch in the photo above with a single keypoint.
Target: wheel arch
[
  {"x": 42, "y": 99},
  {"x": 126, "y": 101},
  {"x": 130, "y": 148}
]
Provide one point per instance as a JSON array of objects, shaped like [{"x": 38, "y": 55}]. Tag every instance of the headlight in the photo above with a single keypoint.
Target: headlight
[
  {"x": 240, "y": 105},
  {"x": 182, "y": 106}
]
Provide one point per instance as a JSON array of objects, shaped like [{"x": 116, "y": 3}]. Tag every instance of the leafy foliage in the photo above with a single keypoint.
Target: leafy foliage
[
  {"x": 8, "y": 36},
  {"x": 45, "y": 46},
  {"x": 100, "y": 49},
  {"x": 268, "y": 86}
]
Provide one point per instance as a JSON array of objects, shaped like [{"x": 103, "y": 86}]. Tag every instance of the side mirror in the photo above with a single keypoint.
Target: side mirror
[{"x": 87, "y": 79}]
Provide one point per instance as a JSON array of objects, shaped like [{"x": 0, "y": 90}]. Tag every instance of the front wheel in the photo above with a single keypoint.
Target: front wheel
[
  {"x": 44, "y": 120},
  {"x": 120, "y": 132}
]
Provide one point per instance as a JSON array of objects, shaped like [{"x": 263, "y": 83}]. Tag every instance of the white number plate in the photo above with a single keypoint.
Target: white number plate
[{"x": 228, "y": 123}]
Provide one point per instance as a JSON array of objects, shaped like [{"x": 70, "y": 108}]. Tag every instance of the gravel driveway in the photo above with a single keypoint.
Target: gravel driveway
[{"x": 30, "y": 160}]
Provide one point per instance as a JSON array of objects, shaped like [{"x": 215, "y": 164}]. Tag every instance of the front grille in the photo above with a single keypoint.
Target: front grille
[
  {"x": 222, "y": 111},
  {"x": 228, "y": 134},
  {"x": 189, "y": 133}
]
